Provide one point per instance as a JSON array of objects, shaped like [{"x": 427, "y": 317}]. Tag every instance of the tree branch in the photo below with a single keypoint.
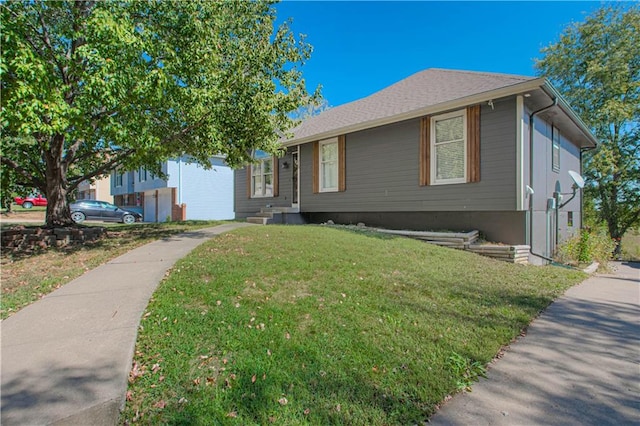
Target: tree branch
[
  {"x": 186, "y": 130},
  {"x": 100, "y": 170},
  {"x": 46, "y": 39},
  {"x": 30, "y": 179}
]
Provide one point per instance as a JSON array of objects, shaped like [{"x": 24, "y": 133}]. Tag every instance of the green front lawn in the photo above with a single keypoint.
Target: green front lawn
[{"x": 316, "y": 325}]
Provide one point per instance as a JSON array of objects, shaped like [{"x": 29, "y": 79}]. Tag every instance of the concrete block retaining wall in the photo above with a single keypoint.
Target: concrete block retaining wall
[{"x": 28, "y": 239}]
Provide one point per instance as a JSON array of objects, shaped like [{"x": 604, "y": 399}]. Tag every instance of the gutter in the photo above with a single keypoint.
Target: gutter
[
  {"x": 531, "y": 134},
  {"x": 566, "y": 108}
]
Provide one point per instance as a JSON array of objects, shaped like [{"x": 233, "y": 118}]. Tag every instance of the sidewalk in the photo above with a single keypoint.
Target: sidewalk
[
  {"x": 66, "y": 358},
  {"x": 577, "y": 365}
]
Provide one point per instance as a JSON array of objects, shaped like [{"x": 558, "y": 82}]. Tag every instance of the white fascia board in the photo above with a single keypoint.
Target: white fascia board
[{"x": 432, "y": 109}]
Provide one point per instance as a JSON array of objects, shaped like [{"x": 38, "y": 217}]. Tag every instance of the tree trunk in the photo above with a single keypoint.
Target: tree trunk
[
  {"x": 58, "y": 213},
  {"x": 616, "y": 236}
]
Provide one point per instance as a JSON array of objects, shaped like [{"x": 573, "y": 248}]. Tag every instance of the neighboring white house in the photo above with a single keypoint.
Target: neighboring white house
[
  {"x": 96, "y": 190},
  {"x": 190, "y": 192}
]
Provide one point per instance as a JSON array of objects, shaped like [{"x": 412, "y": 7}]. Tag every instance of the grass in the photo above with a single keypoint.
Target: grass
[
  {"x": 26, "y": 279},
  {"x": 316, "y": 325},
  {"x": 15, "y": 208}
]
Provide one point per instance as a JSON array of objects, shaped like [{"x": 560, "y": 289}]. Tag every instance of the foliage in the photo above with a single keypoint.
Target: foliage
[
  {"x": 310, "y": 108},
  {"x": 255, "y": 327},
  {"x": 586, "y": 247},
  {"x": 596, "y": 66},
  {"x": 465, "y": 370},
  {"x": 88, "y": 87}
]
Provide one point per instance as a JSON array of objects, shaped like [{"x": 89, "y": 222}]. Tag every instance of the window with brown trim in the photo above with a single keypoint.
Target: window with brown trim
[{"x": 450, "y": 147}]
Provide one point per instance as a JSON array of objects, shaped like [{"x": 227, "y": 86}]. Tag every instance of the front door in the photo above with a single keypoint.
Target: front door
[{"x": 296, "y": 179}]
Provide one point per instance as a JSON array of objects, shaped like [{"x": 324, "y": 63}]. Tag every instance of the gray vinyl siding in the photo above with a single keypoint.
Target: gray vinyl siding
[
  {"x": 382, "y": 170},
  {"x": 546, "y": 181},
  {"x": 245, "y": 206}
]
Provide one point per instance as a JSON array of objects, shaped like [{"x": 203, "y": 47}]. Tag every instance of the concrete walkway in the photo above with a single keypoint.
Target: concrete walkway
[
  {"x": 579, "y": 363},
  {"x": 66, "y": 358}
]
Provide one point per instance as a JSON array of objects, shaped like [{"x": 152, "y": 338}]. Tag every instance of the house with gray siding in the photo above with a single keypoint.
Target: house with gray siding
[{"x": 439, "y": 150}]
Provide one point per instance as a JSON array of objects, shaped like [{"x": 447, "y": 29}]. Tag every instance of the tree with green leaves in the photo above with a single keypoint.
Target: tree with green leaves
[
  {"x": 90, "y": 86},
  {"x": 596, "y": 66}
]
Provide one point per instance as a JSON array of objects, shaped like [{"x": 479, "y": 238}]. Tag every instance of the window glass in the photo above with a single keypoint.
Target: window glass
[
  {"x": 329, "y": 166},
  {"x": 268, "y": 184},
  {"x": 450, "y": 161},
  {"x": 449, "y": 148},
  {"x": 555, "y": 154},
  {"x": 449, "y": 130}
]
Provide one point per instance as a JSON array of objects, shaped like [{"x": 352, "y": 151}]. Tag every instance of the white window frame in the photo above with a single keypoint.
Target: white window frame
[
  {"x": 321, "y": 144},
  {"x": 118, "y": 177},
  {"x": 262, "y": 174},
  {"x": 434, "y": 172}
]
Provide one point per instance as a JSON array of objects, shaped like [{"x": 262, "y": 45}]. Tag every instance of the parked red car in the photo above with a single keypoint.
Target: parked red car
[{"x": 28, "y": 202}]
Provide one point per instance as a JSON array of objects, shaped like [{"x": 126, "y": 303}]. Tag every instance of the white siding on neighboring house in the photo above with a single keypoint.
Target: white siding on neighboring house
[{"x": 208, "y": 194}]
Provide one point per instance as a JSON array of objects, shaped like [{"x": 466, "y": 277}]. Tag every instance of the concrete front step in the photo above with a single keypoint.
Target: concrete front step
[
  {"x": 258, "y": 220},
  {"x": 279, "y": 210},
  {"x": 277, "y": 215}
]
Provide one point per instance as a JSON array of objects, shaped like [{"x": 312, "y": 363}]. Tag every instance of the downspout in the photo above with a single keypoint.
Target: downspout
[{"x": 531, "y": 134}]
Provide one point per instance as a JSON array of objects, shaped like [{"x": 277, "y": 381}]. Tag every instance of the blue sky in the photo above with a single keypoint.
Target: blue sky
[{"x": 361, "y": 47}]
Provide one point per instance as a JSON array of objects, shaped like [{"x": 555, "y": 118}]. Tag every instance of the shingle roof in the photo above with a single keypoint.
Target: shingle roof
[{"x": 421, "y": 90}]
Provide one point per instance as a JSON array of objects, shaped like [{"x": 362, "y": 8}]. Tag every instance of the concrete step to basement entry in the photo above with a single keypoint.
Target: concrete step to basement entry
[{"x": 258, "y": 220}]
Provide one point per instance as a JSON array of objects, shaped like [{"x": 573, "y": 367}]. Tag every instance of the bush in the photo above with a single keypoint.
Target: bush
[{"x": 589, "y": 246}]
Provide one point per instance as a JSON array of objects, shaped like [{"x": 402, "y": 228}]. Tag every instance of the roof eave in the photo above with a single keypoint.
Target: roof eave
[
  {"x": 566, "y": 108},
  {"x": 432, "y": 109}
]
